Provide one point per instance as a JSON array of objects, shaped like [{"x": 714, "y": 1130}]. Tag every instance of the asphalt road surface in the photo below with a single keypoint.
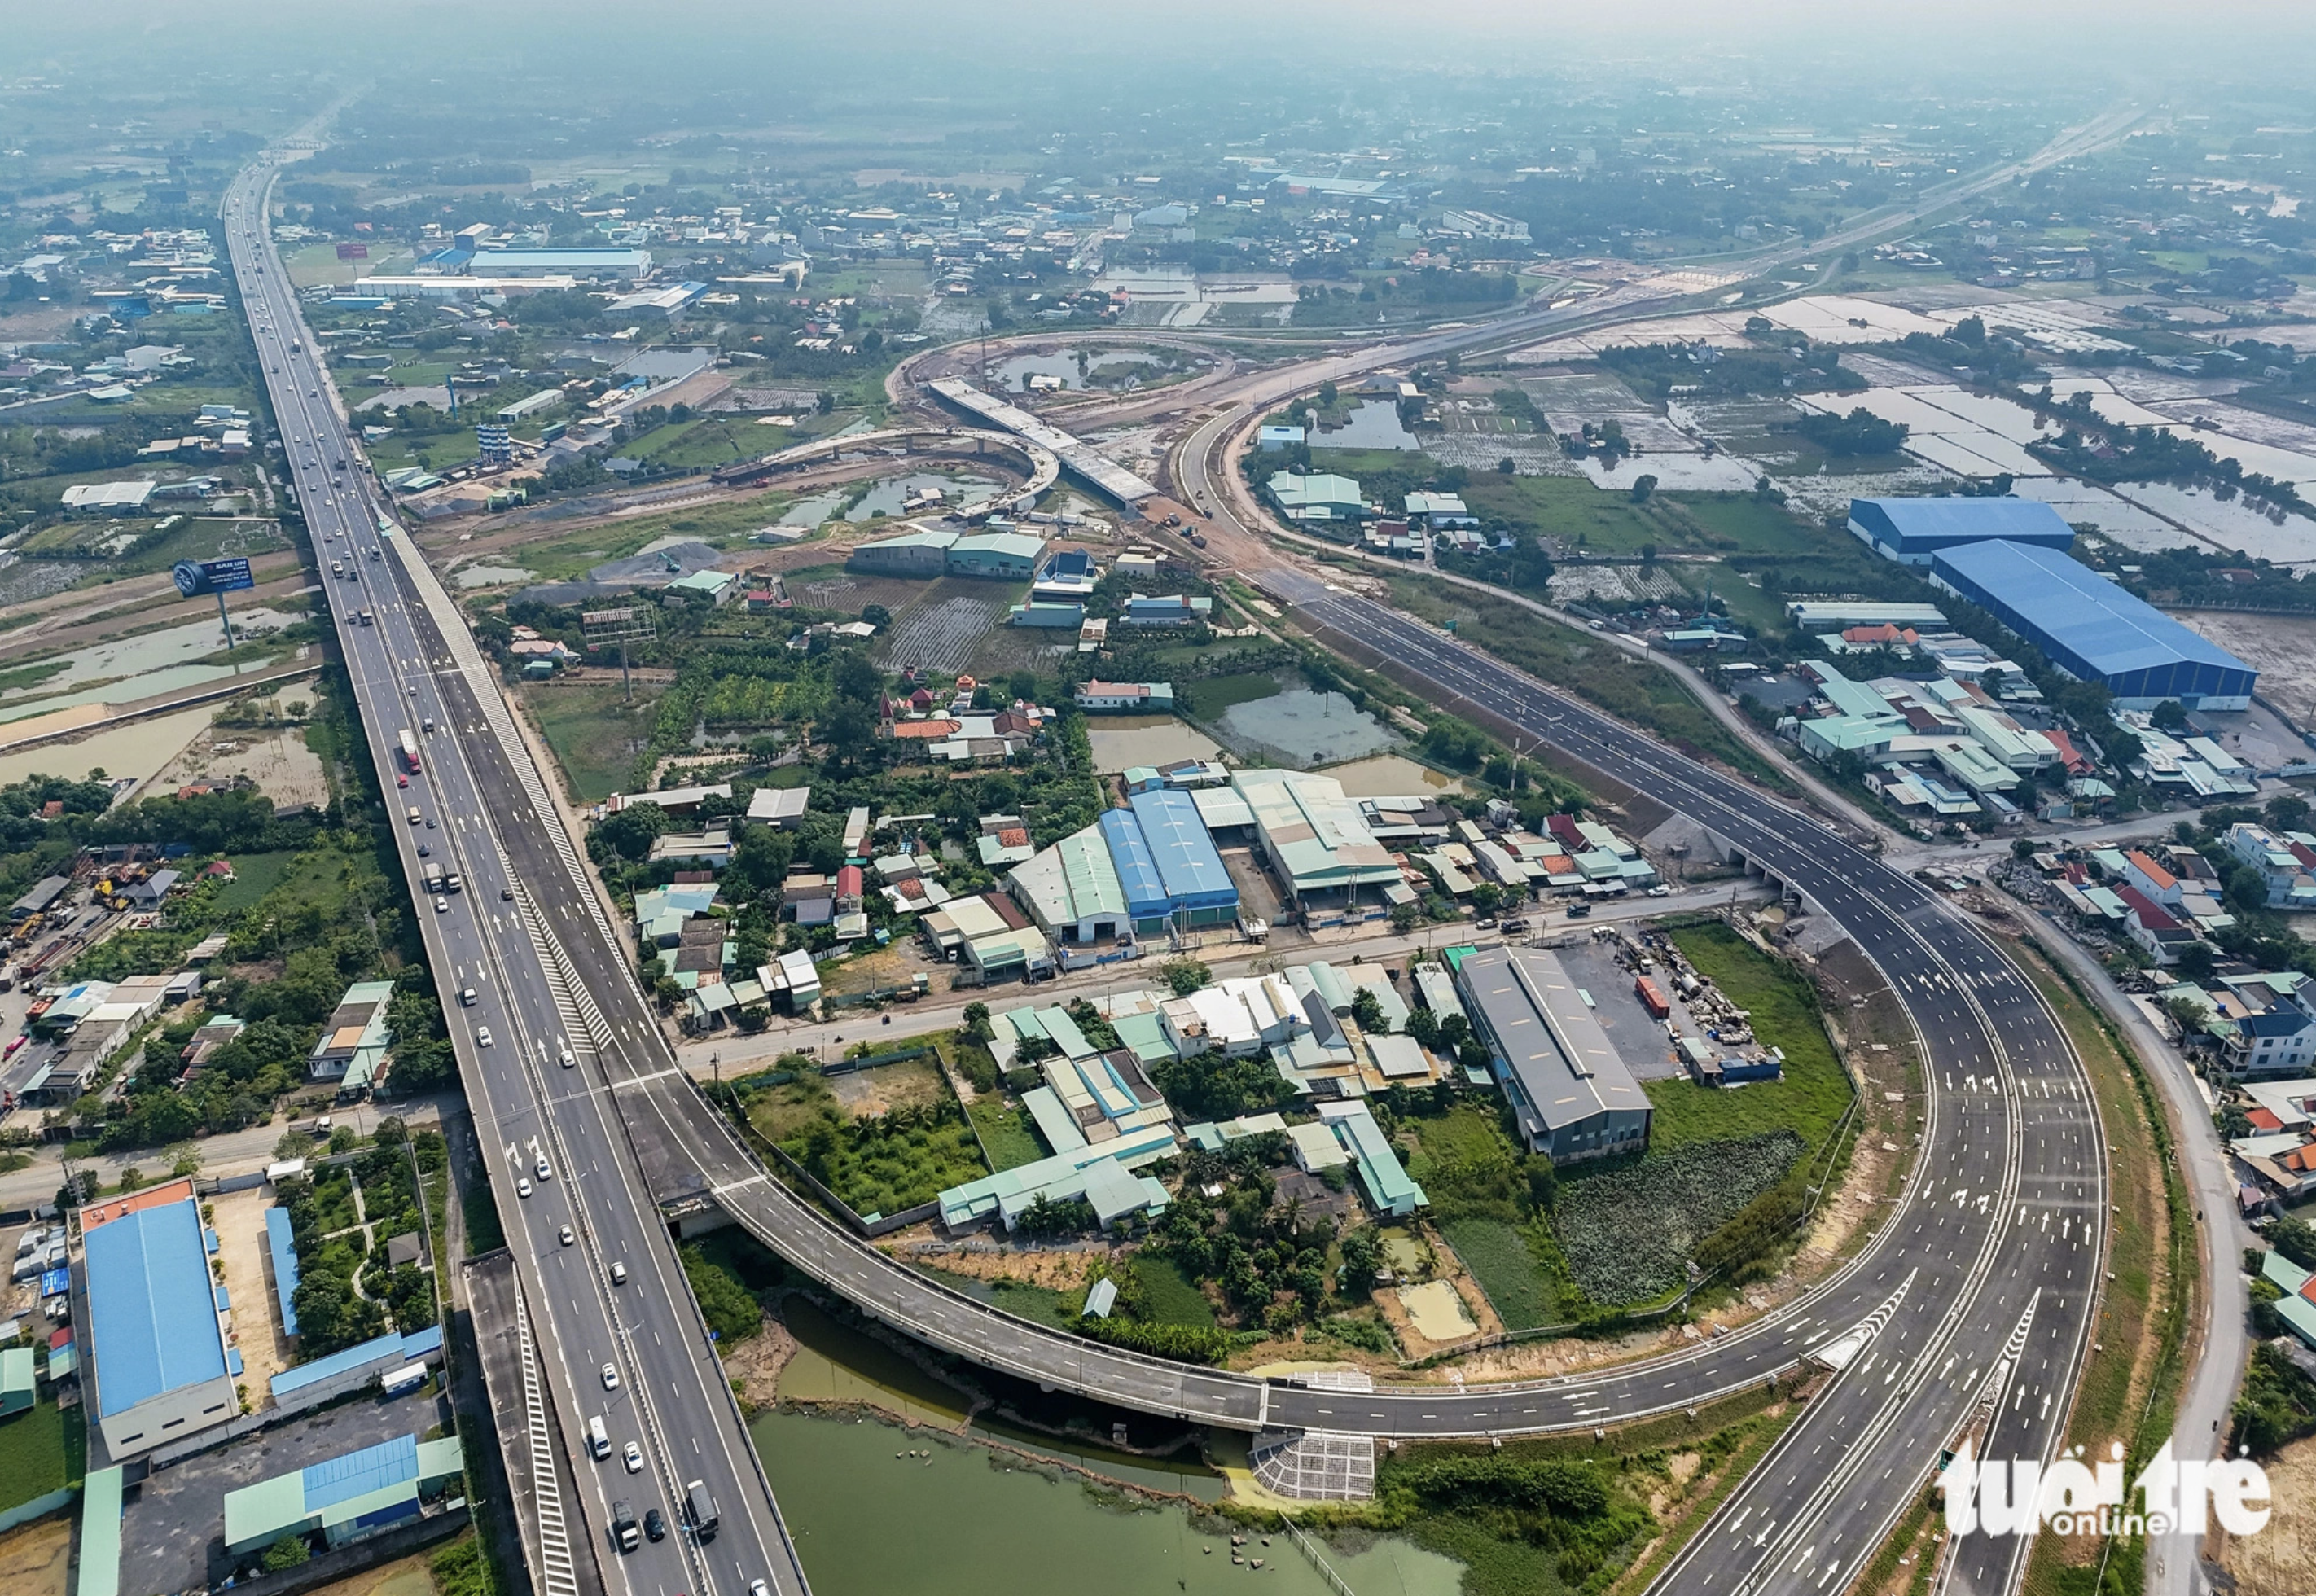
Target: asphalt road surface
[
  {"x": 1977, "y": 1294},
  {"x": 553, "y": 1125}
]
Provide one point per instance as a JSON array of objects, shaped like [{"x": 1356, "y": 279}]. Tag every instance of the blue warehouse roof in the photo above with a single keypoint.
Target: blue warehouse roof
[
  {"x": 143, "y": 1269},
  {"x": 1137, "y": 868},
  {"x": 1924, "y": 525},
  {"x": 358, "y": 1474},
  {"x": 2090, "y": 626},
  {"x": 1188, "y": 862},
  {"x": 283, "y": 1246}
]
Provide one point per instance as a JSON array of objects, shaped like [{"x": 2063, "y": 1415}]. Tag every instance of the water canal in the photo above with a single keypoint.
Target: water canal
[{"x": 881, "y": 1509}]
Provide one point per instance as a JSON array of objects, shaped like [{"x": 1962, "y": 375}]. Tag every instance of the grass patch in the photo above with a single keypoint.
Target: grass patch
[
  {"x": 480, "y": 1214},
  {"x": 1573, "y": 512},
  {"x": 253, "y": 875},
  {"x": 333, "y": 1200},
  {"x": 1006, "y": 1134},
  {"x": 32, "y": 675},
  {"x": 1041, "y": 1305},
  {"x": 879, "y": 1164},
  {"x": 1494, "y": 1564},
  {"x": 1492, "y": 1541},
  {"x": 1207, "y": 697},
  {"x": 1816, "y": 1091},
  {"x": 1630, "y": 1231},
  {"x": 1499, "y": 1258},
  {"x": 39, "y": 1452},
  {"x": 596, "y": 735},
  {"x": 1168, "y": 1296},
  {"x": 1634, "y": 691},
  {"x": 1466, "y": 1133},
  {"x": 702, "y": 444}
]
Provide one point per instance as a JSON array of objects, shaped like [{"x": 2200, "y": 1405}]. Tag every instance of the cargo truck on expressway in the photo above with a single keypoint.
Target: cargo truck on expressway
[{"x": 409, "y": 751}]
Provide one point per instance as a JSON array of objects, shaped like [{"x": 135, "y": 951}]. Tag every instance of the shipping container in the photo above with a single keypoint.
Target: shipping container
[{"x": 1651, "y": 999}]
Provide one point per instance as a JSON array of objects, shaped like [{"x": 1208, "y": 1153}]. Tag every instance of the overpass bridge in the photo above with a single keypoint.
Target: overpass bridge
[
  {"x": 1982, "y": 1281},
  {"x": 1041, "y": 468}
]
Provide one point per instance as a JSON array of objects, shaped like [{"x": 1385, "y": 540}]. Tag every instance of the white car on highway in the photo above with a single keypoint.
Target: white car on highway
[
  {"x": 544, "y": 1170},
  {"x": 633, "y": 1458},
  {"x": 610, "y": 1377},
  {"x": 521, "y": 1187}
]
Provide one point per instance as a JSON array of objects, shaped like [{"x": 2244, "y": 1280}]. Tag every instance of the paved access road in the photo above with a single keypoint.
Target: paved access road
[
  {"x": 1986, "y": 1282},
  {"x": 554, "y": 1125},
  {"x": 1981, "y": 1286}
]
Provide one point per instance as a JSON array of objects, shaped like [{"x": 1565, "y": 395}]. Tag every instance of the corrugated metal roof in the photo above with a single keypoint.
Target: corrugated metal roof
[
  {"x": 1315, "y": 831},
  {"x": 100, "y": 1535},
  {"x": 142, "y": 1270},
  {"x": 265, "y": 1511},
  {"x": 1091, "y": 877},
  {"x": 1389, "y": 1186},
  {"x": 2112, "y": 630},
  {"x": 358, "y": 1474},
  {"x": 1923, "y": 522},
  {"x": 1137, "y": 867},
  {"x": 1220, "y": 807},
  {"x": 1017, "y": 545},
  {"x": 1548, "y": 1035},
  {"x": 1188, "y": 863},
  {"x": 418, "y": 1344},
  {"x": 910, "y": 540}
]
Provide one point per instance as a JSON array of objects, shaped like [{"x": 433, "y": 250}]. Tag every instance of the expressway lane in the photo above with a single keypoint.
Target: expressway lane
[
  {"x": 2006, "y": 1208},
  {"x": 2004, "y": 1227},
  {"x": 553, "y": 1135}
]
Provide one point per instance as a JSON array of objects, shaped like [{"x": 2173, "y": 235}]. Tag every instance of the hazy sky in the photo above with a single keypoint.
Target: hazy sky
[{"x": 2140, "y": 39}]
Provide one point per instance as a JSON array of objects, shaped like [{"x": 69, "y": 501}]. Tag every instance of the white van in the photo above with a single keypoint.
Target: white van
[{"x": 599, "y": 1440}]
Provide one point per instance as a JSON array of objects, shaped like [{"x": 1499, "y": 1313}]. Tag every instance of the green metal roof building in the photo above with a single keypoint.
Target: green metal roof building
[
  {"x": 1072, "y": 889},
  {"x": 1321, "y": 495},
  {"x": 346, "y": 1498},
  {"x": 1007, "y": 555},
  {"x": 1314, "y": 835},
  {"x": 100, "y": 1535},
  {"x": 911, "y": 554},
  {"x": 1102, "y": 1174},
  {"x": 716, "y": 586},
  {"x": 17, "y": 1391},
  {"x": 354, "y": 1043},
  {"x": 1390, "y": 1189},
  {"x": 2297, "y": 1312}
]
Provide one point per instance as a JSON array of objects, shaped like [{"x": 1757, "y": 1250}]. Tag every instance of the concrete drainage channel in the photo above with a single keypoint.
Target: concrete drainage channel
[{"x": 555, "y": 1577}]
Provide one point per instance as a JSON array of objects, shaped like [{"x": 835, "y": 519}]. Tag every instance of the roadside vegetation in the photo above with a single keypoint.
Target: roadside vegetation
[
  {"x": 323, "y": 905},
  {"x": 1595, "y": 670},
  {"x": 347, "y": 1291}
]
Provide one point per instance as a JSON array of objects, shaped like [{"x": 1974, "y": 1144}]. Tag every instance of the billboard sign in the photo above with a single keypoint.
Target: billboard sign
[{"x": 195, "y": 577}]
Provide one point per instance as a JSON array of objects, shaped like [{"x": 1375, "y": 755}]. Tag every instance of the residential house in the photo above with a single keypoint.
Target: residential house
[
  {"x": 353, "y": 1046},
  {"x": 779, "y": 807},
  {"x": 1130, "y": 698},
  {"x": 2287, "y": 867}
]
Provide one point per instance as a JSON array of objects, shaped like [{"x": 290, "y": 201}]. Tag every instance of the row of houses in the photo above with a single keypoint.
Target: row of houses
[
  {"x": 1574, "y": 1094},
  {"x": 1573, "y": 857},
  {"x": 1941, "y": 746}
]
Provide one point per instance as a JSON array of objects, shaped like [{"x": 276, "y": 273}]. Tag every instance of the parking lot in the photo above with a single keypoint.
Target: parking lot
[{"x": 173, "y": 1524}]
